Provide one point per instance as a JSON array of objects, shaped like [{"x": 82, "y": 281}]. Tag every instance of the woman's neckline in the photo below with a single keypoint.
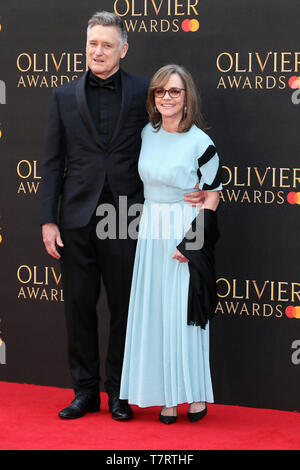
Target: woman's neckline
[{"x": 173, "y": 133}]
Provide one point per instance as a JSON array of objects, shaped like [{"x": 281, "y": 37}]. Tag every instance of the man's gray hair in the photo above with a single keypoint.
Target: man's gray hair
[{"x": 106, "y": 18}]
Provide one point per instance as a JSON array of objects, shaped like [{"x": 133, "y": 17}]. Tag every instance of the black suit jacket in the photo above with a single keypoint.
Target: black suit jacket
[{"x": 76, "y": 162}]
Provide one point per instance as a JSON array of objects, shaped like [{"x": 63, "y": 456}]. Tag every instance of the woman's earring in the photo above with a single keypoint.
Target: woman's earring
[{"x": 184, "y": 111}]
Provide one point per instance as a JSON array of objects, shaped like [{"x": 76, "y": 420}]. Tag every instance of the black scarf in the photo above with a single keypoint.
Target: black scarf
[{"x": 202, "y": 297}]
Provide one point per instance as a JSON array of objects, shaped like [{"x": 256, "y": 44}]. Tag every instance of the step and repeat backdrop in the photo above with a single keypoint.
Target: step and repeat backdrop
[{"x": 245, "y": 59}]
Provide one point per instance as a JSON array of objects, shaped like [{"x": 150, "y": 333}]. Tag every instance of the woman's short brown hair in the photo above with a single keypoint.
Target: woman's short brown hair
[{"x": 192, "y": 114}]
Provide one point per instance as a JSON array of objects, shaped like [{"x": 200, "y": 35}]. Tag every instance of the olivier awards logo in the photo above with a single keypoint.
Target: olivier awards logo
[
  {"x": 258, "y": 299},
  {"x": 29, "y": 179},
  {"x": 39, "y": 283},
  {"x": 48, "y": 70},
  {"x": 158, "y": 16},
  {"x": 257, "y": 70},
  {"x": 261, "y": 185}
]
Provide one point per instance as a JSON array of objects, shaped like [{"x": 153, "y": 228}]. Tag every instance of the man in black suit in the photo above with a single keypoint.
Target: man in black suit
[{"x": 91, "y": 154}]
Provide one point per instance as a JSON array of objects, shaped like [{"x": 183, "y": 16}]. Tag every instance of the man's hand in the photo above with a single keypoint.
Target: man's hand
[
  {"x": 195, "y": 198},
  {"x": 179, "y": 256},
  {"x": 51, "y": 237}
]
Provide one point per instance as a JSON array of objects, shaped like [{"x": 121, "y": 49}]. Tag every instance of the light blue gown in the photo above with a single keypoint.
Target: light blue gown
[{"x": 166, "y": 361}]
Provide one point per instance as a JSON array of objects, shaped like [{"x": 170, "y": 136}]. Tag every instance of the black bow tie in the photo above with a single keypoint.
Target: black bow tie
[{"x": 95, "y": 81}]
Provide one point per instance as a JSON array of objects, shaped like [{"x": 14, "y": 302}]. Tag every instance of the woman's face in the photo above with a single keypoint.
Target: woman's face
[{"x": 171, "y": 107}]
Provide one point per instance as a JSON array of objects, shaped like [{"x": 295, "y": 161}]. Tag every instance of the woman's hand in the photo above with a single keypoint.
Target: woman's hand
[
  {"x": 177, "y": 255},
  {"x": 196, "y": 198},
  {"x": 203, "y": 199}
]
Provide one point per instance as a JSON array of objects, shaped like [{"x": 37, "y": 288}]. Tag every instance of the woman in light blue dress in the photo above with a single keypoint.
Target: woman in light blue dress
[{"x": 166, "y": 359}]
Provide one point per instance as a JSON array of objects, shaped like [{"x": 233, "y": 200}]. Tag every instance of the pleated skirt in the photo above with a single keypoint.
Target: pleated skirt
[{"x": 166, "y": 361}]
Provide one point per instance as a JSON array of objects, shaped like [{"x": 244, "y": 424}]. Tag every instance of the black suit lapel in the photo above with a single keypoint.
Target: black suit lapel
[
  {"x": 84, "y": 110},
  {"x": 126, "y": 102}
]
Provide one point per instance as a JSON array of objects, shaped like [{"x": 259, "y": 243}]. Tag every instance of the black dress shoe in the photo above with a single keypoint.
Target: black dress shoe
[
  {"x": 167, "y": 419},
  {"x": 82, "y": 404},
  {"x": 119, "y": 409},
  {"x": 193, "y": 417}
]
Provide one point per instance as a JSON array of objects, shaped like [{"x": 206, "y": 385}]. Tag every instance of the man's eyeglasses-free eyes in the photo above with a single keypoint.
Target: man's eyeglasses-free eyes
[{"x": 173, "y": 92}]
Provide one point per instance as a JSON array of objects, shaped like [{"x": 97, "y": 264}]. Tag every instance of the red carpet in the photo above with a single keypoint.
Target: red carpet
[{"x": 29, "y": 421}]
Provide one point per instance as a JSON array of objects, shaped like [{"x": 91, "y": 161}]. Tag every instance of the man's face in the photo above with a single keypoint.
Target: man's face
[{"x": 104, "y": 50}]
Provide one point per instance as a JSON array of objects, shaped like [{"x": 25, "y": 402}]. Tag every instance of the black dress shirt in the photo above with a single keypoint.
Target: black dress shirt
[{"x": 104, "y": 104}]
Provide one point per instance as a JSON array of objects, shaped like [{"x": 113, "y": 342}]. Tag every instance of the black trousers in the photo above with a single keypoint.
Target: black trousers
[{"x": 85, "y": 260}]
